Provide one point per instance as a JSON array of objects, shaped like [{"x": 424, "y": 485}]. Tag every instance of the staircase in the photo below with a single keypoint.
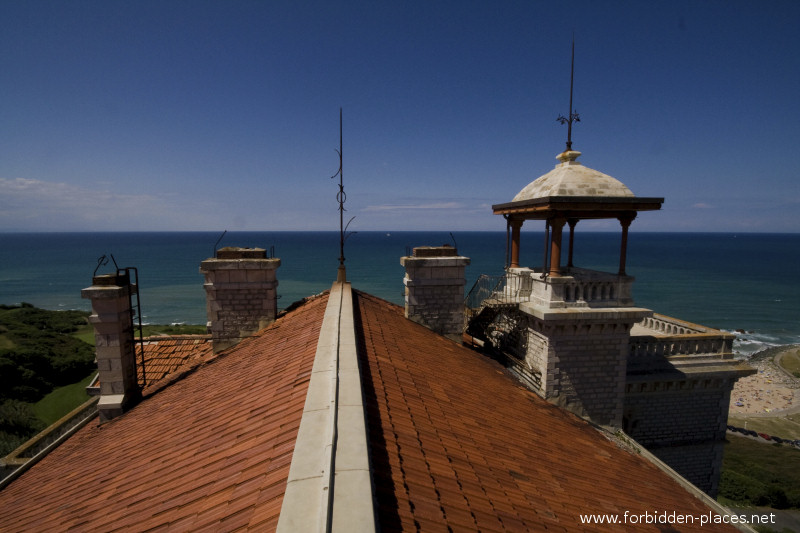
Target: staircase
[{"x": 487, "y": 303}]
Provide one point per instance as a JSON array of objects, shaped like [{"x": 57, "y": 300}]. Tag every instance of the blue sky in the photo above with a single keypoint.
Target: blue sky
[{"x": 224, "y": 115}]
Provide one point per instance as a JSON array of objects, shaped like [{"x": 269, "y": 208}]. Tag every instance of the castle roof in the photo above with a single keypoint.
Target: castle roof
[
  {"x": 571, "y": 178},
  {"x": 163, "y": 355},
  {"x": 585, "y": 192},
  {"x": 453, "y": 442}
]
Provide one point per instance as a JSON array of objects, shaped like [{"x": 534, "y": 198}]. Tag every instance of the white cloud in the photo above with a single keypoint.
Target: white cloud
[
  {"x": 36, "y": 205},
  {"x": 702, "y": 205},
  {"x": 390, "y": 207}
]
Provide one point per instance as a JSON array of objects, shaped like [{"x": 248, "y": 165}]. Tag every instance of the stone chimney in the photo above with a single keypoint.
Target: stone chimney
[
  {"x": 116, "y": 352},
  {"x": 434, "y": 291},
  {"x": 241, "y": 294}
]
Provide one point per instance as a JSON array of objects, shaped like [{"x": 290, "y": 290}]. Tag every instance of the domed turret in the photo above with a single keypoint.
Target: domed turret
[
  {"x": 567, "y": 194},
  {"x": 570, "y": 178}
]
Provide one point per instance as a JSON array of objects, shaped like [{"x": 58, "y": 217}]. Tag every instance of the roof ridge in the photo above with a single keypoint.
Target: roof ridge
[{"x": 330, "y": 482}]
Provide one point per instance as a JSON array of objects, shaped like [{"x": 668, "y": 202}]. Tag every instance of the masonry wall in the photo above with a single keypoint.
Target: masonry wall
[
  {"x": 241, "y": 295},
  {"x": 682, "y": 422},
  {"x": 586, "y": 369},
  {"x": 578, "y": 362},
  {"x": 434, "y": 291},
  {"x": 115, "y": 349}
]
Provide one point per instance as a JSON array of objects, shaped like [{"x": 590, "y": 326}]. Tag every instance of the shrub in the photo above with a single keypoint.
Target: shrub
[{"x": 17, "y": 418}]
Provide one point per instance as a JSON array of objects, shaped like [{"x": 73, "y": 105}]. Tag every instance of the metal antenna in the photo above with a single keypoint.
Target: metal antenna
[
  {"x": 217, "y": 243},
  {"x": 573, "y": 115},
  {"x": 455, "y": 244},
  {"x": 342, "y": 198}
]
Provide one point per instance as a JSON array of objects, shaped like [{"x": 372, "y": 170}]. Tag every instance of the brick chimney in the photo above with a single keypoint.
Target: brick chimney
[
  {"x": 116, "y": 352},
  {"x": 434, "y": 291},
  {"x": 241, "y": 294}
]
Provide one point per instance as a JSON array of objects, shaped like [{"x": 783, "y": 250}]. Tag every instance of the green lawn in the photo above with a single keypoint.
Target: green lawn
[
  {"x": 41, "y": 352},
  {"x": 86, "y": 333},
  {"x": 754, "y": 473},
  {"x": 62, "y": 400}
]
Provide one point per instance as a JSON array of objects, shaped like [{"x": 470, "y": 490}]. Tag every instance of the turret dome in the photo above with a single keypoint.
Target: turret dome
[{"x": 570, "y": 178}]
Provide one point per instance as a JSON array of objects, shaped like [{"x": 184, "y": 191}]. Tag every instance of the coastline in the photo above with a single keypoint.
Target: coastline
[{"x": 771, "y": 391}]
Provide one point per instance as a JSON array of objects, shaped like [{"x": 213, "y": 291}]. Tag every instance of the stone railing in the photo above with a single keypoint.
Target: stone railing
[
  {"x": 581, "y": 288},
  {"x": 673, "y": 337},
  {"x": 672, "y": 326},
  {"x": 576, "y": 287},
  {"x": 665, "y": 347}
]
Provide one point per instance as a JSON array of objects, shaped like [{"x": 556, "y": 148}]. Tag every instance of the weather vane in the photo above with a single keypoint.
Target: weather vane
[
  {"x": 573, "y": 115},
  {"x": 342, "y": 198}
]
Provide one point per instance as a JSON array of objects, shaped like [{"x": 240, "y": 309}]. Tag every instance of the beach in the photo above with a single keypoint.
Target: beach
[{"x": 771, "y": 390}]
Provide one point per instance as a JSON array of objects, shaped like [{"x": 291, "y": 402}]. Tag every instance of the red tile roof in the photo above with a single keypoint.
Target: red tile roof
[
  {"x": 209, "y": 452},
  {"x": 455, "y": 443},
  {"x": 458, "y": 443},
  {"x": 164, "y": 355}
]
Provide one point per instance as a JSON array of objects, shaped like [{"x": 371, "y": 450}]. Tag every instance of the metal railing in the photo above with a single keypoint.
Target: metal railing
[
  {"x": 483, "y": 288},
  {"x": 496, "y": 291}
]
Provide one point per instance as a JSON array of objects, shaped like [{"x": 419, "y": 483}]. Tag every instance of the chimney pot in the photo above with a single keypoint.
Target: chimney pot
[
  {"x": 434, "y": 289},
  {"x": 241, "y": 293},
  {"x": 116, "y": 351}
]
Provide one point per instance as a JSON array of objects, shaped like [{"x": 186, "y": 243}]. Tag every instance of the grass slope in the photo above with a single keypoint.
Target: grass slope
[
  {"x": 46, "y": 361},
  {"x": 760, "y": 474},
  {"x": 62, "y": 400}
]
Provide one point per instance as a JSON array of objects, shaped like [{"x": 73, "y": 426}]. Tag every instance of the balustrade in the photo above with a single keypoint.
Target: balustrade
[
  {"x": 575, "y": 288},
  {"x": 674, "y": 337}
]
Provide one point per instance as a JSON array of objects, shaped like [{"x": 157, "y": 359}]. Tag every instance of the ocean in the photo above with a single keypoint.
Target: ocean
[{"x": 745, "y": 283}]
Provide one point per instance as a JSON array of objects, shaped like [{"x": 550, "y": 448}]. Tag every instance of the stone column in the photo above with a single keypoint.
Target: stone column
[
  {"x": 241, "y": 294},
  {"x": 116, "y": 352},
  {"x": 434, "y": 291}
]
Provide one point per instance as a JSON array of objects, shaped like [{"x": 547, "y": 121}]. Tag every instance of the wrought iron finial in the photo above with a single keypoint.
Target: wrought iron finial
[
  {"x": 101, "y": 261},
  {"x": 573, "y": 115},
  {"x": 342, "y": 198}
]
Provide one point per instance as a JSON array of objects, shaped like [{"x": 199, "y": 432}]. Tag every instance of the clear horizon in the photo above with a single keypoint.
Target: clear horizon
[
  {"x": 204, "y": 116},
  {"x": 528, "y": 230}
]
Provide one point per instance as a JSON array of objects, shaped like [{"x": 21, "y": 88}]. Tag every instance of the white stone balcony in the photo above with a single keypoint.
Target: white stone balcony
[
  {"x": 662, "y": 344},
  {"x": 664, "y": 336},
  {"x": 574, "y": 288}
]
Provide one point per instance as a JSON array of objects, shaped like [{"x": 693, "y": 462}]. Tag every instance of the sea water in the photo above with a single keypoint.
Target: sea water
[{"x": 735, "y": 282}]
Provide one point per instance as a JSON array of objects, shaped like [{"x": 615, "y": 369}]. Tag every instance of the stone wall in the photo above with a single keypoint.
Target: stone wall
[
  {"x": 584, "y": 368},
  {"x": 434, "y": 289},
  {"x": 575, "y": 358},
  {"x": 241, "y": 294},
  {"x": 115, "y": 348},
  {"x": 682, "y": 422}
]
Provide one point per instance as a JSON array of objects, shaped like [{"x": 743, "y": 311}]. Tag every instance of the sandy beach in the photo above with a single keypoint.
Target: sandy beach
[{"x": 770, "y": 390}]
